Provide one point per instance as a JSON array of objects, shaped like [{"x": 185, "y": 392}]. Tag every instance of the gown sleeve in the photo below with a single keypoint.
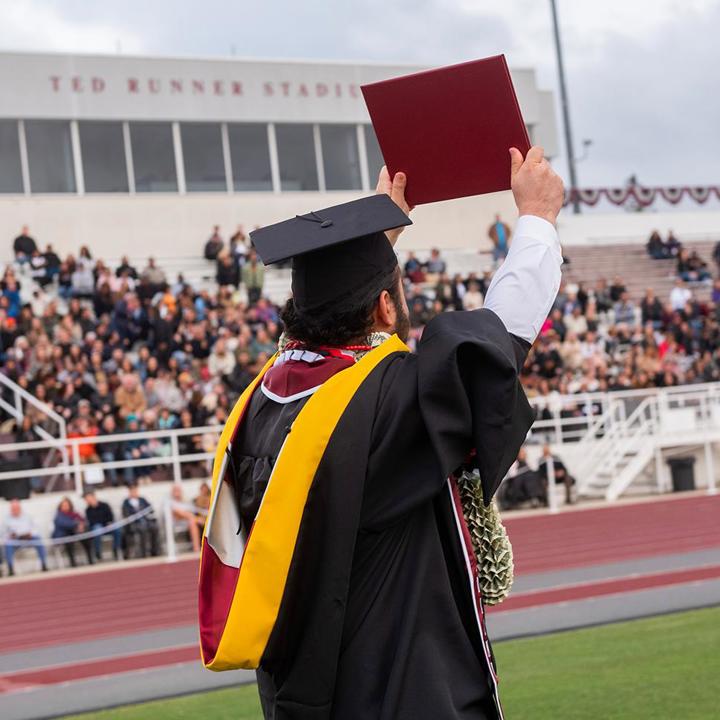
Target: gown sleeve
[{"x": 470, "y": 395}]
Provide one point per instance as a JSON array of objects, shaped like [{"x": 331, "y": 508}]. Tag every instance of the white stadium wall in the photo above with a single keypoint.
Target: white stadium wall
[{"x": 51, "y": 103}]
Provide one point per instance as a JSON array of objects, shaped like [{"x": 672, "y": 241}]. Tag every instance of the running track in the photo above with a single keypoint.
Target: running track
[{"x": 577, "y": 567}]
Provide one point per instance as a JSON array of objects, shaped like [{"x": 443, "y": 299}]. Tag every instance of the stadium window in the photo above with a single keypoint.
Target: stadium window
[
  {"x": 341, "y": 159},
  {"x": 374, "y": 156},
  {"x": 203, "y": 157},
  {"x": 153, "y": 157},
  {"x": 296, "y": 157},
  {"x": 103, "y": 157},
  {"x": 250, "y": 156},
  {"x": 50, "y": 157},
  {"x": 10, "y": 168}
]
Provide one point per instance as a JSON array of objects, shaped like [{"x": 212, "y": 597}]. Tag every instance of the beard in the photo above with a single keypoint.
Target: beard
[{"x": 402, "y": 324}]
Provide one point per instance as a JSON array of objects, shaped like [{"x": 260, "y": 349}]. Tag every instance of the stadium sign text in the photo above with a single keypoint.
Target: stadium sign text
[{"x": 96, "y": 85}]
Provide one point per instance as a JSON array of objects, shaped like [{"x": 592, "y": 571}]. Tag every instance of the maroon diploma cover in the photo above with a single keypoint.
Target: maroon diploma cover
[{"x": 449, "y": 129}]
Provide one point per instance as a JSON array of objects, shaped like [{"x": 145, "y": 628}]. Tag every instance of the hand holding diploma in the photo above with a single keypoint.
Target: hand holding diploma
[{"x": 537, "y": 188}]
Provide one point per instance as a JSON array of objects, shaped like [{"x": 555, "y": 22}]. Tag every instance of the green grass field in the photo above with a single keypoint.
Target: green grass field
[{"x": 655, "y": 669}]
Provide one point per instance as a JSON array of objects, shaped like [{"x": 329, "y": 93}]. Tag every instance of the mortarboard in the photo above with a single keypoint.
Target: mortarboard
[{"x": 336, "y": 252}]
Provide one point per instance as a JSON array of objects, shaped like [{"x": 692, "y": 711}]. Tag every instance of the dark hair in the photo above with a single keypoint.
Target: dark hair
[{"x": 340, "y": 324}]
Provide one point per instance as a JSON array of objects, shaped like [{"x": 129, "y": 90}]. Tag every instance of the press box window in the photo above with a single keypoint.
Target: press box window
[
  {"x": 50, "y": 158},
  {"x": 250, "y": 157},
  {"x": 10, "y": 168},
  {"x": 374, "y": 156},
  {"x": 296, "y": 157},
  {"x": 153, "y": 157},
  {"x": 203, "y": 157},
  {"x": 341, "y": 159},
  {"x": 103, "y": 157}
]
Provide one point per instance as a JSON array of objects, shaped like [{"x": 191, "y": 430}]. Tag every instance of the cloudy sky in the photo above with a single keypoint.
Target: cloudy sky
[{"x": 642, "y": 74}]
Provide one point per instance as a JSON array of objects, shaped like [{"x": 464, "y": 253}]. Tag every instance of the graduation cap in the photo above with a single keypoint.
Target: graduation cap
[{"x": 336, "y": 252}]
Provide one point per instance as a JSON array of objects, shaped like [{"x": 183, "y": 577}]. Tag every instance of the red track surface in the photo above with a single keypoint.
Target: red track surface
[
  {"x": 622, "y": 532},
  {"x": 25, "y": 679},
  {"x": 85, "y": 606}
]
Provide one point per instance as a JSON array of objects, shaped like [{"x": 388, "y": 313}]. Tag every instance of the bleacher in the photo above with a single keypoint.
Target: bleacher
[{"x": 589, "y": 263}]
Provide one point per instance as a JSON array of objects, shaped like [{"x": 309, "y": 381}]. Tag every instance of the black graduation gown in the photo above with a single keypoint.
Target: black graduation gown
[{"x": 378, "y": 619}]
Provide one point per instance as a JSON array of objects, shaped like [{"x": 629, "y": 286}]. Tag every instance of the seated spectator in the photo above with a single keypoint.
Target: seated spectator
[
  {"x": 413, "y": 269},
  {"x": 617, "y": 289},
  {"x": 473, "y": 298},
  {"x": 18, "y": 525},
  {"x": 98, "y": 515},
  {"x": 202, "y": 502},
  {"x": 24, "y": 245},
  {"x": 129, "y": 397},
  {"x": 68, "y": 523},
  {"x": 576, "y": 322},
  {"x": 84, "y": 428},
  {"x": 656, "y": 247},
  {"x": 499, "y": 234},
  {"x": 560, "y": 473},
  {"x": 522, "y": 485},
  {"x": 691, "y": 267},
  {"x": 624, "y": 310},
  {"x": 434, "y": 266},
  {"x": 136, "y": 449},
  {"x": 143, "y": 530},
  {"x": 184, "y": 518},
  {"x": 651, "y": 309},
  {"x": 82, "y": 279},
  {"x": 679, "y": 295},
  {"x": 214, "y": 244},
  {"x": 673, "y": 245},
  {"x": 221, "y": 361}
]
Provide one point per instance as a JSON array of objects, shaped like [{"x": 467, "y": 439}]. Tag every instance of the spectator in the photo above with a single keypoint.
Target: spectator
[
  {"x": 228, "y": 270},
  {"x": 111, "y": 451},
  {"x": 185, "y": 518},
  {"x": 435, "y": 266},
  {"x": 673, "y": 245},
  {"x": 679, "y": 295},
  {"x": 214, "y": 244},
  {"x": 221, "y": 361},
  {"x": 98, "y": 515},
  {"x": 18, "y": 525},
  {"x": 651, "y": 309},
  {"x": 143, "y": 530},
  {"x": 68, "y": 523},
  {"x": 253, "y": 276},
  {"x": 153, "y": 277},
  {"x": 522, "y": 485},
  {"x": 473, "y": 298},
  {"x": 238, "y": 245},
  {"x": 656, "y": 247},
  {"x": 129, "y": 397},
  {"x": 125, "y": 269},
  {"x": 413, "y": 269},
  {"x": 691, "y": 268},
  {"x": 617, "y": 289},
  {"x": 24, "y": 245},
  {"x": 624, "y": 310},
  {"x": 202, "y": 503},
  {"x": 559, "y": 472},
  {"x": 499, "y": 234}
]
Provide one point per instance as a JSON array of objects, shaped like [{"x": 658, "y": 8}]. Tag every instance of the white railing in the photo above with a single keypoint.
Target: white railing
[{"x": 164, "y": 450}]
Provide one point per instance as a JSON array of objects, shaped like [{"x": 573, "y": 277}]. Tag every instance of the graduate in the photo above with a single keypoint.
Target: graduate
[{"x": 337, "y": 560}]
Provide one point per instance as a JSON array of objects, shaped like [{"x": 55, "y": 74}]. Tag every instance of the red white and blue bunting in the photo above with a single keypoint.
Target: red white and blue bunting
[{"x": 643, "y": 196}]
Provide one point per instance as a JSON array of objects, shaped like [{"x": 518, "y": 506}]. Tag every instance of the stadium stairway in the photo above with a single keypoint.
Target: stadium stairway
[{"x": 633, "y": 265}]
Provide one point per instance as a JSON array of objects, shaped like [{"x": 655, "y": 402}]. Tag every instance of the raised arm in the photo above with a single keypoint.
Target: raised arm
[{"x": 524, "y": 288}]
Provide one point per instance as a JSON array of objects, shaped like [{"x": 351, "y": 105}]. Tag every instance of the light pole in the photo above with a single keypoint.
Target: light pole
[{"x": 565, "y": 110}]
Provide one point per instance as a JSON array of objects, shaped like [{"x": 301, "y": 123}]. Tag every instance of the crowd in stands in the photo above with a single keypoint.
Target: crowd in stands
[
  {"x": 125, "y": 348},
  {"x": 138, "y": 536}
]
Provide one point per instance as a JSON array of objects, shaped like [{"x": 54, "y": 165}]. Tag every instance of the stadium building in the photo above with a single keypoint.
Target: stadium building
[{"x": 120, "y": 151}]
